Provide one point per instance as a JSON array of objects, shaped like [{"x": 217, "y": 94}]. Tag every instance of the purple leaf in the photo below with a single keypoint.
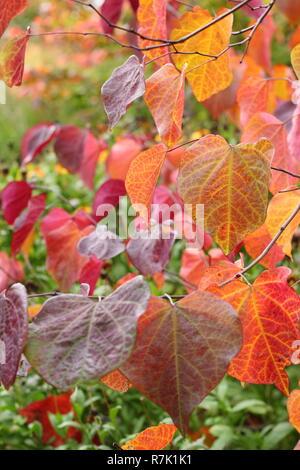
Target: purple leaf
[
  {"x": 126, "y": 84},
  {"x": 101, "y": 243},
  {"x": 13, "y": 331},
  {"x": 74, "y": 339},
  {"x": 150, "y": 255}
]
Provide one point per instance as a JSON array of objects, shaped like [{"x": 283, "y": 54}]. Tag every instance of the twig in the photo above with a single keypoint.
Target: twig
[
  {"x": 266, "y": 250},
  {"x": 285, "y": 171},
  {"x": 180, "y": 280}
]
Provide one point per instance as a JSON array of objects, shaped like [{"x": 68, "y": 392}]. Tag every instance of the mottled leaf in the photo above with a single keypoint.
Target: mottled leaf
[
  {"x": 13, "y": 331},
  {"x": 232, "y": 182},
  {"x": 125, "y": 85},
  {"x": 12, "y": 56},
  {"x": 255, "y": 95},
  {"x": 180, "y": 355},
  {"x": 74, "y": 339},
  {"x": 116, "y": 381}
]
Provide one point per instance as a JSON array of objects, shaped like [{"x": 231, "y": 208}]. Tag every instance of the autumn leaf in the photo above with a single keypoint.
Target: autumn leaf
[
  {"x": 193, "y": 263},
  {"x": 90, "y": 273},
  {"x": 255, "y": 95},
  {"x": 280, "y": 208},
  {"x": 165, "y": 98},
  {"x": 36, "y": 139},
  {"x": 74, "y": 339},
  {"x": 25, "y": 222},
  {"x": 121, "y": 155},
  {"x": 291, "y": 9},
  {"x": 11, "y": 271},
  {"x": 264, "y": 125},
  {"x": 142, "y": 176},
  {"x": 13, "y": 331},
  {"x": 151, "y": 16},
  {"x": 232, "y": 182},
  {"x": 8, "y": 10},
  {"x": 14, "y": 198},
  {"x": 269, "y": 312},
  {"x": 107, "y": 197},
  {"x": 210, "y": 76},
  {"x": 260, "y": 44},
  {"x": 117, "y": 381},
  {"x": 153, "y": 438},
  {"x": 39, "y": 411},
  {"x": 12, "y": 56},
  {"x": 180, "y": 355},
  {"x": 125, "y": 85},
  {"x": 293, "y": 406},
  {"x": 111, "y": 10},
  {"x": 62, "y": 234},
  {"x": 257, "y": 241}
]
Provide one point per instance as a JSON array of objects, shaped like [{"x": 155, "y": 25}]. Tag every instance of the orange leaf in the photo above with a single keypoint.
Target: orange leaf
[
  {"x": 165, "y": 98},
  {"x": 12, "y": 56},
  {"x": 280, "y": 208},
  {"x": 117, "y": 381},
  {"x": 257, "y": 241},
  {"x": 291, "y": 8},
  {"x": 295, "y": 58},
  {"x": 282, "y": 88},
  {"x": 153, "y": 438},
  {"x": 293, "y": 406},
  {"x": 218, "y": 273},
  {"x": 151, "y": 17},
  {"x": 232, "y": 182},
  {"x": 180, "y": 355},
  {"x": 255, "y": 95},
  {"x": 210, "y": 76},
  {"x": 269, "y": 311},
  {"x": 8, "y": 10},
  {"x": 193, "y": 263},
  {"x": 142, "y": 177},
  {"x": 263, "y": 125},
  {"x": 260, "y": 45}
]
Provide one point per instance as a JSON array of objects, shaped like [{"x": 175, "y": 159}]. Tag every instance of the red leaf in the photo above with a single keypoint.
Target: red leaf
[
  {"x": 15, "y": 197},
  {"x": 39, "y": 411},
  {"x": 92, "y": 149},
  {"x": 111, "y": 9},
  {"x": 36, "y": 139},
  {"x": 13, "y": 331},
  {"x": 12, "y": 56},
  {"x": 26, "y": 221},
  {"x": 107, "y": 195},
  {"x": 153, "y": 438},
  {"x": 8, "y": 10},
  {"x": 11, "y": 271},
  {"x": 90, "y": 273},
  {"x": 125, "y": 85},
  {"x": 180, "y": 355},
  {"x": 121, "y": 155}
]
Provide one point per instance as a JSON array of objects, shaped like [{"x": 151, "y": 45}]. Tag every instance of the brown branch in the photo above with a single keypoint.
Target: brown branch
[
  {"x": 285, "y": 171},
  {"x": 266, "y": 250}
]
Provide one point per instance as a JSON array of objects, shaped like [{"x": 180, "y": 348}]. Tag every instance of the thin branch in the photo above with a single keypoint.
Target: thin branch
[
  {"x": 266, "y": 250},
  {"x": 289, "y": 190},
  {"x": 180, "y": 280},
  {"x": 285, "y": 171}
]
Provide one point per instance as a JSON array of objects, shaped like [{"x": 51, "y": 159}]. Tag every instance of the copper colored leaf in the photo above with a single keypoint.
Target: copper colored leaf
[
  {"x": 280, "y": 208},
  {"x": 13, "y": 331},
  {"x": 26, "y": 221},
  {"x": 264, "y": 125},
  {"x": 101, "y": 243},
  {"x": 255, "y": 95},
  {"x": 151, "y": 17},
  {"x": 14, "y": 198},
  {"x": 143, "y": 174},
  {"x": 153, "y": 438},
  {"x": 12, "y": 56},
  {"x": 270, "y": 313},
  {"x": 74, "y": 339},
  {"x": 293, "y": 406},
  {"x": 151, "y": 254},
  {"x": 256, "y": 242},
  {"x": 116, "y": 381},
  {"x": 232, "y": 182},
  {"x": 165, "y": 98},
  {"x": 8, "y": 10},
  {"x": 210, "y": 76},
  {"x": 36, "y": 139},
  {"x": 125, "y": 85},
  {"x": 183, "y": 351}
]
